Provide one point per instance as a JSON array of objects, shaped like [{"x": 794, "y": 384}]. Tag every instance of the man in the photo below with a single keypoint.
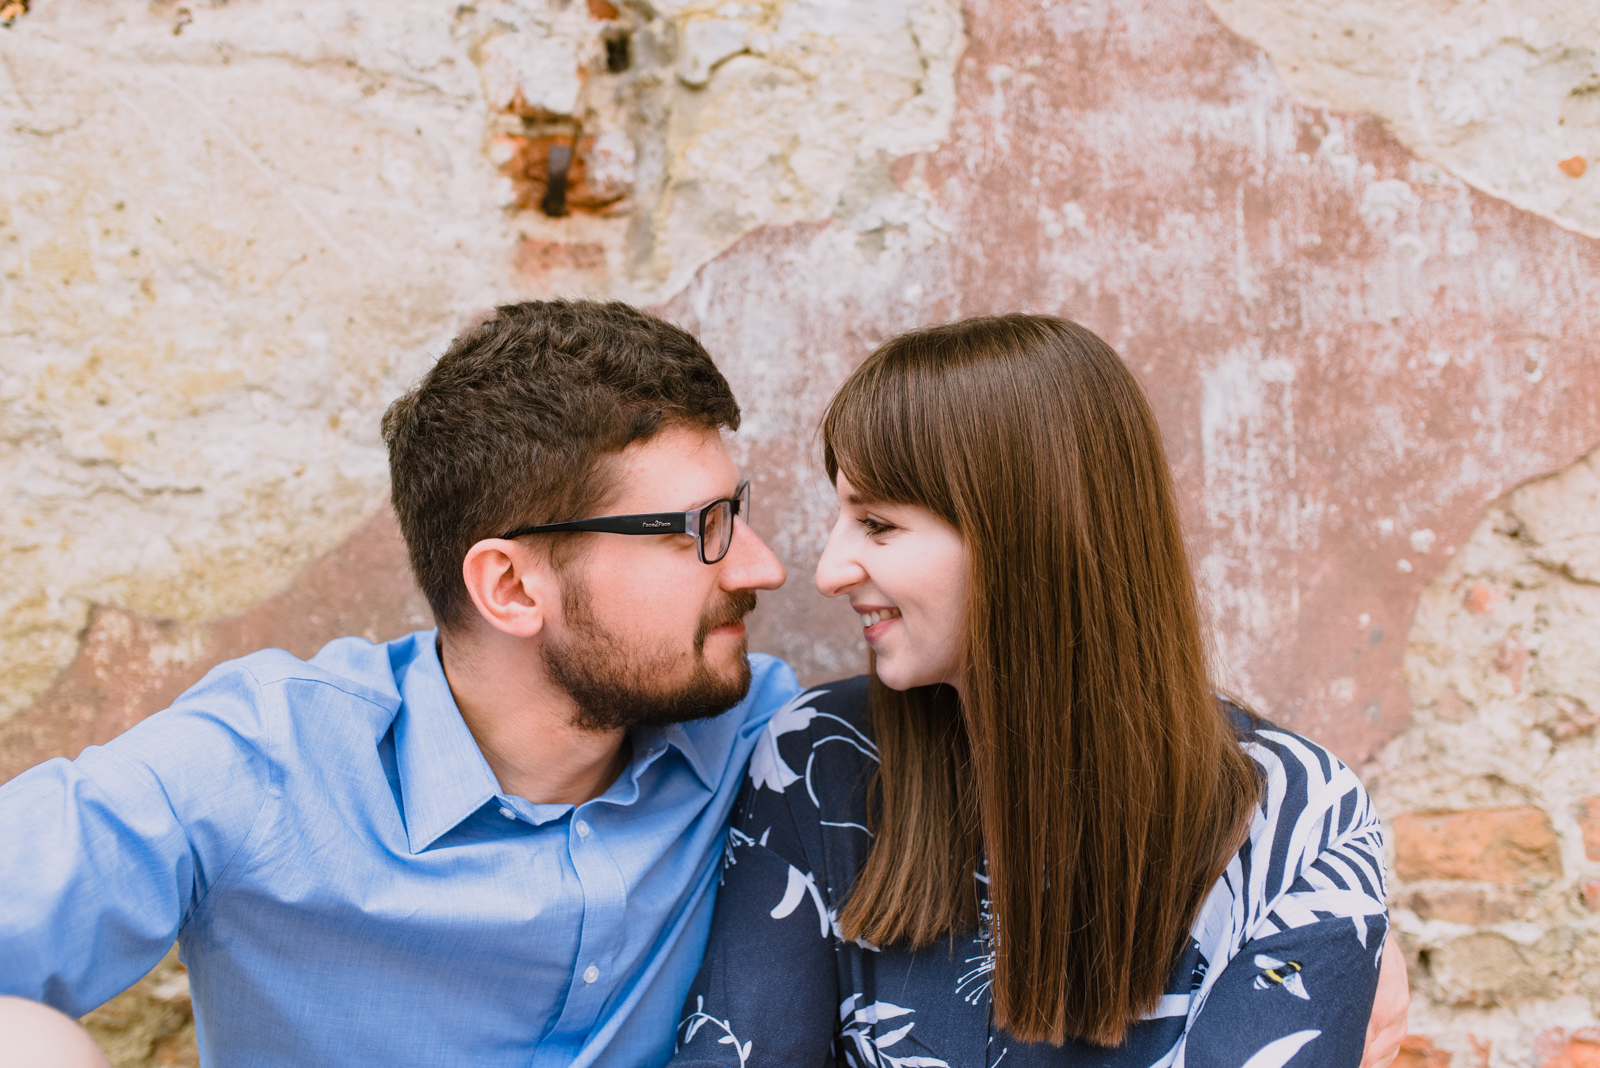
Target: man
[{"x": 490, "y": 845}]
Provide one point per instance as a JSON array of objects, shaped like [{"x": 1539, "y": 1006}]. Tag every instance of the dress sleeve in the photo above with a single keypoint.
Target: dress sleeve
[
  {"x": 1297, "y": 988},
  {"x": 767, "y": 992},
  {"x": 1305, "y": 978}
]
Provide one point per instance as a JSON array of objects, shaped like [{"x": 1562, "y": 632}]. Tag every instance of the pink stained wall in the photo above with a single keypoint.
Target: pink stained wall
[{"x": 1345, "y": 348}]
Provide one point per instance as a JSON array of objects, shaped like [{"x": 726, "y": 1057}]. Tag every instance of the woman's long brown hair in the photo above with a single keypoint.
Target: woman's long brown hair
[{"x": 1087, "y": 760}]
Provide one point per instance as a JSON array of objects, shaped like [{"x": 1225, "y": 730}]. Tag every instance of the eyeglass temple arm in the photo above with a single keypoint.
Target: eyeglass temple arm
[{"x": 647, "y": 523}]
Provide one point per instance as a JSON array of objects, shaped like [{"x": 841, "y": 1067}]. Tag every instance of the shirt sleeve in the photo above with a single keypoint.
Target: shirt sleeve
[
  {"x": 767, "y": 992},
  {"x": 107, "y": 856}
]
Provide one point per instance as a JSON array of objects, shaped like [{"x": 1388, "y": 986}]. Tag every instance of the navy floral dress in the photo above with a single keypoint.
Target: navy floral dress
[{"x": 1281, "y": 968}]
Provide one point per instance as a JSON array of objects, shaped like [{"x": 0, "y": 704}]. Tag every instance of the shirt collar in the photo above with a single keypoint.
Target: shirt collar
[
  {"x": 443, "y": 775},
  {"x": 648, "y": 741}
]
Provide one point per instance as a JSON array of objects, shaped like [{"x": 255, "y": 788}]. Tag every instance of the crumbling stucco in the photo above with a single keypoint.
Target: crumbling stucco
[
  {"x": 1491, "y": 796},
  {"x": 223, "y": 251},
  {"x": 230, "y": 235},
  {"x": 1502, "y": 93}
]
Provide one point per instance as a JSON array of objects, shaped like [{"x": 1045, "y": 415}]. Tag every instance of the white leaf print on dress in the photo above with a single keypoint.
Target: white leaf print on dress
[
  {"x": 736, "y": 839},
  {"x": 699, "y": 1018},
  {"x": 1277, "y": 1053},
  {"x": 799, "y": 883},
  {"x": 766, "y": 766},
  {"x": 867, "y": 1051}
]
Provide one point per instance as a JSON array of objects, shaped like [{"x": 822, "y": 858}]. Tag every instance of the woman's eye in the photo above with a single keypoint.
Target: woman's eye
[{"x": 875, "y": 526}]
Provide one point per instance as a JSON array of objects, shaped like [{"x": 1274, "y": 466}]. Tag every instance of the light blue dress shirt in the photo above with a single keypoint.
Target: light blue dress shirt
[{"x": 348, "y": 884}]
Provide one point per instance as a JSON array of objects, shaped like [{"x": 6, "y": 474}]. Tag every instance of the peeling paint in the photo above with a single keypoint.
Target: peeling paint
[
  {"x": 1504, "y": 94},
  {"x": 1503, "y": 669}
]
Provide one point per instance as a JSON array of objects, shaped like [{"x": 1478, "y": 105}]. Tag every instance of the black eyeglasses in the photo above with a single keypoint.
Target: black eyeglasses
[{"x": 710, "y": 525}]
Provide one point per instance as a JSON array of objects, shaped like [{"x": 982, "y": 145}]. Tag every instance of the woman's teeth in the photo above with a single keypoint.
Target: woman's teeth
[{"x": 869, "y": 618}]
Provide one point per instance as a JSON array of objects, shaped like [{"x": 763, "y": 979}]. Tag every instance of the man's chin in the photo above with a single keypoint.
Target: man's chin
[{"x": 718, "y": 683}]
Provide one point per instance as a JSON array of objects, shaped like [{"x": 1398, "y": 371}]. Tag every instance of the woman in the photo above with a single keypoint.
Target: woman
[{"x": 1034, "y": 835}]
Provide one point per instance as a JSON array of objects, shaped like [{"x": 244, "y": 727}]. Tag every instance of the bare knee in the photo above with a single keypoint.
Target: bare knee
[{"x": 37, "y": 1036}]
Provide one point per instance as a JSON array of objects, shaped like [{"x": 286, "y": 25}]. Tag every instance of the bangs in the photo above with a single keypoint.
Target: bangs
[{"x": 892, "y": 426}]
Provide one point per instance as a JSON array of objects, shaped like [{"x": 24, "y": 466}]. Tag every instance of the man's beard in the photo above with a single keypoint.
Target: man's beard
[{"x": 615, "y": 687}]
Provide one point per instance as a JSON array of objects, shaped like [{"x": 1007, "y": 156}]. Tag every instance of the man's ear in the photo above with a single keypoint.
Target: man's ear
[{"x": 514, "y": 589}]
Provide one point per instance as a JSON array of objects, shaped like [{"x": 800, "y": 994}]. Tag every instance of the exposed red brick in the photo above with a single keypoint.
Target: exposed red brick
[
  {"x": 903, "y": 168},
  {"x": 1418, "y": 1051},
  {"x": 1590, "y": 891},
  {"x": 1482, "y": 599},
  {"x": 529, "y": 171},
  {"x": 1494, "y": 845},
  {"x": 600, "y": 9},
  {"x": 1569, "y": 718},
  {"x": 1450, "y": 706},
  {"x": 1463, "y": 904},
  {"x": 1511, "y": 660},
  {"x": 1560, "y": 1048},
  {"x": 1589, "y": 821},
  {"x": 1573, "y": 166},
  {"x": 535, "y": 259}
]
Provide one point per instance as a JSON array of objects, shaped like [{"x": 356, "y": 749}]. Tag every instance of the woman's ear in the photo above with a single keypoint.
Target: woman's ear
[{"x": 512, "y": 587}]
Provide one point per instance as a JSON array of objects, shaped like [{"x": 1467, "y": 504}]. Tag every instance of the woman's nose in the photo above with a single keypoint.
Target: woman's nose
[{"x": 837, "y": 571}]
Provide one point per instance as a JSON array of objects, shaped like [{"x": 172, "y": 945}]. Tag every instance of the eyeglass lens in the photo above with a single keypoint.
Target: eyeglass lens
[{"x": 716, "y": 532}]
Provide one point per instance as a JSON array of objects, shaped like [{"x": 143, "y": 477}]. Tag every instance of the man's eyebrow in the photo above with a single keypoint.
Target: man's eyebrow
[{"x": 708, "y": 500}]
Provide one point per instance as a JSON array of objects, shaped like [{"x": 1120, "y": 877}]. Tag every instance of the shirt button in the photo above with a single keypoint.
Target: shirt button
[
  {"x": 583, "y": 832},
  {"x": 591, "y": 973},
  {"x": 508, "y": 814}
]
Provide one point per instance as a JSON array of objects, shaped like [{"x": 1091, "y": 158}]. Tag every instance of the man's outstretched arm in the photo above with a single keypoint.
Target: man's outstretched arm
[{"x": 108, "y": 855}]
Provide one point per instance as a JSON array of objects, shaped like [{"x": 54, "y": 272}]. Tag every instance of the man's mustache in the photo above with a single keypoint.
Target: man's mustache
[{"x": 738, "y": 604}]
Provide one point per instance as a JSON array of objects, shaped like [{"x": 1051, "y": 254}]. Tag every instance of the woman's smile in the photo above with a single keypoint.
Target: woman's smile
[
  {"x": 904, "y": 571},
  {"x": 875, "y": 622}
]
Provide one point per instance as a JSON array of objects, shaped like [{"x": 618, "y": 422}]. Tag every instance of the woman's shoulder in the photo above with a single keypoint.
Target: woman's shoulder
[
  {"x": 821, "y": 737},
  {"x": 1296, "y": 770},
  {"x": 1311, "y": 803},
  {"x": 842, "y": 699}
]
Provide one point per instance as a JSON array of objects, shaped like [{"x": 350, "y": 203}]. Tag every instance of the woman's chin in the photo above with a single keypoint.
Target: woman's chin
[{"x": 898, "y": 679}]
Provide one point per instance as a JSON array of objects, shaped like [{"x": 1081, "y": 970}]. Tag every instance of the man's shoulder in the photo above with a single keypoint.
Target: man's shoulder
[
  {"x": 362, "y": 669},
  {"x": 271, "y": 684}
]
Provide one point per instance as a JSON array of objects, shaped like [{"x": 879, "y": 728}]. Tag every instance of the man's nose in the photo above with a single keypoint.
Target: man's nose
[{"x": 750, "y": 565}]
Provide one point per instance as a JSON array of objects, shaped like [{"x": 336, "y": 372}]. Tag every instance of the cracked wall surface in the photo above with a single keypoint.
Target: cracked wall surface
[
  {"x": 230, "y": 233},
  {"x": 1504, "y": 94},
  {"x": 1493, "y": 797},
  {"x": 229, "y": 236}
]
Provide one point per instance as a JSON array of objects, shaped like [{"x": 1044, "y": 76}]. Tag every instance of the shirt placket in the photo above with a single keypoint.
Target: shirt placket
[{"x": 599, "y": 943}]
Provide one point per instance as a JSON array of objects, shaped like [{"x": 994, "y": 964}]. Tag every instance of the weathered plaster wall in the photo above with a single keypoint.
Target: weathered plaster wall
[
  {"x": 1504, "y": 94},
  {"x": 1493, "y": 796},
  {"x": 229, "y": 234}
]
